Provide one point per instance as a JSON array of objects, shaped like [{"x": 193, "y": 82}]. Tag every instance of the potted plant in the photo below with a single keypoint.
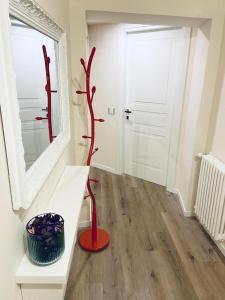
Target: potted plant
[{"x": 45, "y": 238}]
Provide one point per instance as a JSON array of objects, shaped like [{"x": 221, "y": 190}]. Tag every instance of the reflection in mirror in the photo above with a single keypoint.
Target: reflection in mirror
[{"x": 36, "y": 66}]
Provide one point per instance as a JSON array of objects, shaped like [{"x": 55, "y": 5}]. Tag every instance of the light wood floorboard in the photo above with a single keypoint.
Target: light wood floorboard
[{"x": 155, "y": 253}]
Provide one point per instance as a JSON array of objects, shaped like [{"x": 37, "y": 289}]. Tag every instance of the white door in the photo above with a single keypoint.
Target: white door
[
  {"x": 31, "y": 80},
  {"x": 154, "y": 67}
]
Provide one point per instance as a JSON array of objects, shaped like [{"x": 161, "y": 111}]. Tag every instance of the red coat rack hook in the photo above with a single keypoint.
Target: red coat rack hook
[{"x": 93, "y": 239}]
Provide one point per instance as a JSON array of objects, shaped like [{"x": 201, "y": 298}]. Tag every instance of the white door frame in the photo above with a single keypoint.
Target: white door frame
[{"x": 177, "y": 113}]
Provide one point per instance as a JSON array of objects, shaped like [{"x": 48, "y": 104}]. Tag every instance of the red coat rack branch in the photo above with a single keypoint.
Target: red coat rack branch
[
  {"x": 93, "y": 239},
  {"x": 49, "y": 92}
]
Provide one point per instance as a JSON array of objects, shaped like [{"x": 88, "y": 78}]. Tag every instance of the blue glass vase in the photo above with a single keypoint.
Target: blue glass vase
[{"x": 45, "y": 238}]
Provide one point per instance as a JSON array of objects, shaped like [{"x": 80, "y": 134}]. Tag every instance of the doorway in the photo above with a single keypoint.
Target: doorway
[{"x": 108, "y": 75}]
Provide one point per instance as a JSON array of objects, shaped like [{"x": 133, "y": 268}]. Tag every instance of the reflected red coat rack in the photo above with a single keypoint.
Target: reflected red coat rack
[
  {"x": 93, "y": 239},
  {"x": 49, "y": 92}
]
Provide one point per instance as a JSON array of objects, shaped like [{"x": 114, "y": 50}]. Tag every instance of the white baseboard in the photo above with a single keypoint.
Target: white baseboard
[
  {"x": 105, "y": 168},
  {"x": 221, "y": 246},
  {"x": 171, "y": 190},
  {"x": 186, "y": 213}
]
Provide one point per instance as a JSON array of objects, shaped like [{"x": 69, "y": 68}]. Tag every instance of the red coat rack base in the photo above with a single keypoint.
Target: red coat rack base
[{"x": 102, "y": 240}]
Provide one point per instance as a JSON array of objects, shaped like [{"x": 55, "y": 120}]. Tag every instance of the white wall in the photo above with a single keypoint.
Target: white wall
[
  {"x": 107, "y": 75},
  {"x": 218, "y": 143},
  {"x": 11, "y": 248},
  {"x": 191, "y": 110},
  {"x": 218, "y": 148},
  {"x": 12, "y": 223}
]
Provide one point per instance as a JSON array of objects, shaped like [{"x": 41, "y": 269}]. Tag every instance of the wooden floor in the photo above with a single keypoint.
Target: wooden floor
[{"x": 155, "y": 253}]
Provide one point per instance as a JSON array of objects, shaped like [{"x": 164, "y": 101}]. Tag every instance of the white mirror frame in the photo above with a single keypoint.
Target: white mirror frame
[{"x": 26, "y": 185}]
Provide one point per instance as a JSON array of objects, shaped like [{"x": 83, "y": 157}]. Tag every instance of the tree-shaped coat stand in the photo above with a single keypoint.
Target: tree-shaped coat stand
[{"x": 93, "y": 239}]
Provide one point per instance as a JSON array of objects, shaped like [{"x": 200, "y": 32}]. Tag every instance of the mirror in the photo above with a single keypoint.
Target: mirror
[
  {"x": 33, "y": 150},
  {"x": 35, "y": 59}
]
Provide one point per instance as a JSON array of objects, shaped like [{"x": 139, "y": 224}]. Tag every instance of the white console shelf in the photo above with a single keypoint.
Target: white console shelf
[{"x": 43, "y": 282}]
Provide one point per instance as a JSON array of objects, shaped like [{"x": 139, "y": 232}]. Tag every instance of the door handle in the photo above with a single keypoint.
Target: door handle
[{"x": 127, "y": 111}]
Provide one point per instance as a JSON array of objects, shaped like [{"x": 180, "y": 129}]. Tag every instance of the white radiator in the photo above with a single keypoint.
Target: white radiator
[{"x": 210, "y": 202}]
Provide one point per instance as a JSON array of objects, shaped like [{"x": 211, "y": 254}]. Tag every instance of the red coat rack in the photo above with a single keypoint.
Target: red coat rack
[
  {"x": 93, "y": 239},
  {"x": 49, "y": 92}
]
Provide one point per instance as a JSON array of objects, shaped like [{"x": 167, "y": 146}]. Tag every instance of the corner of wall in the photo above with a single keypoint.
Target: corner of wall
[{"x": 185, "y": 211}]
